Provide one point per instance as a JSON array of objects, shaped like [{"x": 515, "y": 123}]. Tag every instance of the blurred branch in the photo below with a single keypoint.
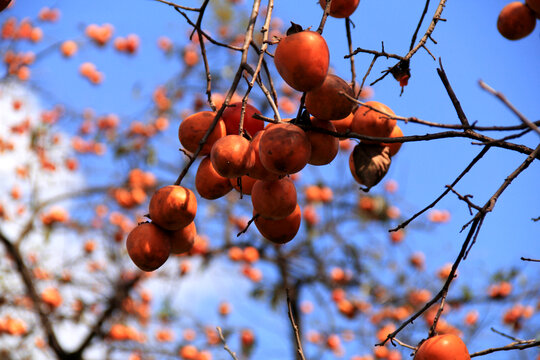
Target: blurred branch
[
  {"x": 121, "y": 291},
  {"x": 225, "y": 346},
  {"x": 24, "y": 272}
]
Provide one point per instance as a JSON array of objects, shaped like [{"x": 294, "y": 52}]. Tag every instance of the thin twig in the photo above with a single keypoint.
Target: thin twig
[
  {"x": 299, "y": 350},
  {"x": 508, "y": 104},
  {"x": 512, "y": 346},
  {"x": 466, "y": 199},
  {"x": 178, "y": 6},
  {"x": 513, "y": 338},
  {"x": 436, "y": 18},
  {"x": 529, "y": 259},
  {"x": 349, "y": 42},
  {"x": 444, "y": 289},
  {"x": 461, "y": 114},
  {"x": 225, "y": 346},
  {"x": 238, "y": 76},
  {"x": 248, "y": 224},
  {"x": 325, "y": 16},
  {"x": 424, "y": 12},
  {"x": 405, "y": 344}
]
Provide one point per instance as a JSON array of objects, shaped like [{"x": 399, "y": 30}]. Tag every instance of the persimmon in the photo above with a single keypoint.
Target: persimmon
[
  {"x": 209, "y": 184},
  {"x": 148, "y": 246},
  {"x": 343, "y": 125},
  {"x": 534, "y": 5},
  {"x": 189, "y": 352},
  {"x": 193, "y": 128},
  {"x": 232, "y": 156},
  {"x": 274, "y": 199},
  {"x": 250, "y": 254},
  {"x": 247, "y": 337},
  {"x": 373, "y": 122},
  {"x": 173, "y": 207},
  {"x": 247, "y": 184},
  {"x": 231, "y": 117},
  {"x": 302, "y": 60},
  {"x": 280, "y": 231},
  {"x": 51, "y": 296},
  {"x": 258, "y": 171},
  {"x": 326, "y": 103},
  {"x": 324, "y": 147},
  {"x": 341, "y": 8},
  {"x": 516, "y": 20},
  {"x": 4, "y": 4},
  {"x": 442, "y": 347},
  {"x": 284, "y": 148},
  {"x": 310, "y": 215},
  {"x": 182, "y": 240},
  {"x": 394, "y": 147}
]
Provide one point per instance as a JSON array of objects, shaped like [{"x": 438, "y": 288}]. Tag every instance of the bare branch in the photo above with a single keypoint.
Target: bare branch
[
  {"x": 505, "y": 101},
  {"x": 325, "y": 16},
  {"x": 225, "y": 346},
  {"x": 424, "y": 12},
  {"x": 299, "y": 350},
  {"x": 520, "y": 345},
  {"x": 453, "y": 97}
]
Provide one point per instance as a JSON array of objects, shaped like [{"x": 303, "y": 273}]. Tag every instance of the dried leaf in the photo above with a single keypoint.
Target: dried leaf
[{"x": 369, "y": 163}]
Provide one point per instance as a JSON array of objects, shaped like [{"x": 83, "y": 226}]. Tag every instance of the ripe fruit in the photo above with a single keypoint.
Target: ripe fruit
[
  {"x": 369, "y": 122},
  {"x": 274, "y": 199},
  {"x": 324, "y": 147},
  {"x": 193, "y": 128},
  {"x": 516, "y": 20},
  {"x": 280, "y": 231},
  {"x": 302, "y": 60},
  {"x": 231, "y": 117},
  {"x": 209, "y": 184},
  {"x": 4, "y": 4},
  {"x": 394, "y": 147},
  {"x": 326, "y": 103},
  {"x": 148, "y": 246},
  {"x": 534, "y": 5},
  {"x": 258, "y": 171},
  {"x": 341, "y": 8},
  {"x": 183, "y": 240},
  {"x": 68, "y": 48},
  {"x": 232, "y": 156},
  {"x": 442, "y": 347},
  {"x": 284, "y": 149},
  {"x": 343, "y": 125},
  {"x": 172, "y": 207}
]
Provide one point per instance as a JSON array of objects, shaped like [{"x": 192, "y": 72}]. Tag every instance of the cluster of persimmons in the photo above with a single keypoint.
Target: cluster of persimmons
[{"x": 240, "y": 152}]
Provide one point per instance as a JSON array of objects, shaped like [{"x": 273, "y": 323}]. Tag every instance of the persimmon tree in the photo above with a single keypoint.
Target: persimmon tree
[{"x": 145, "y": 170}]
